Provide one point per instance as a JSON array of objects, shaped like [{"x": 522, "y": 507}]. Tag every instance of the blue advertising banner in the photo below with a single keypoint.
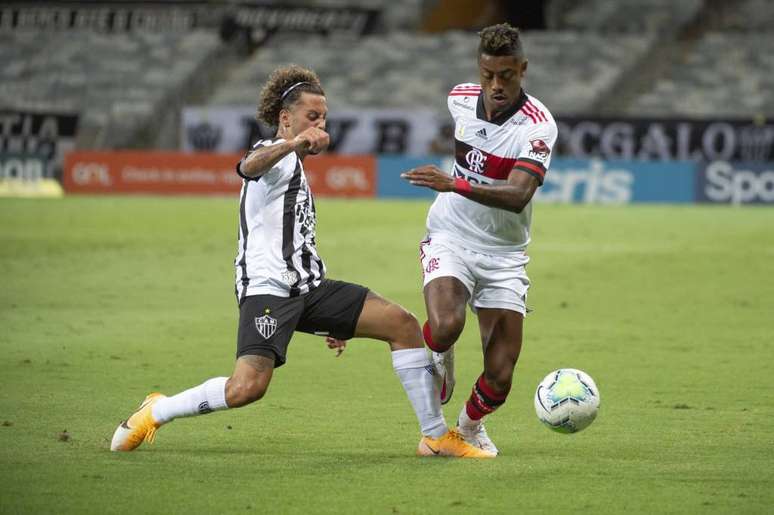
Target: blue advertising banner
[
  {"x": 570, "y": 180},
  {"x": 617, "y": 182},
  {"x": 389, "y": 183},
  {"x": 735, "y": 183}
]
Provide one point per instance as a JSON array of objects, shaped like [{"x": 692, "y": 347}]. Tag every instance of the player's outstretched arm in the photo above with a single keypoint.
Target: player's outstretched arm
[
  {"x": 513, "y": 196},
  {"x": 260, "y": 161}
]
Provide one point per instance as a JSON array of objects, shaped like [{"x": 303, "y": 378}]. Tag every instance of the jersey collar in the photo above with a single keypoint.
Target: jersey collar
[{"x": 505, "y": 115}]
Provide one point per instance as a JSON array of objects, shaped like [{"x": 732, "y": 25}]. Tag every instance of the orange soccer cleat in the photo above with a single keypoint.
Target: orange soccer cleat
[
  {"x": 139, "y": 427},
  {"x": 451, "y": 444}
]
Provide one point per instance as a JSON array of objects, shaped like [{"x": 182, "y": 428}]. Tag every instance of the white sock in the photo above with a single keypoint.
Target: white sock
[
  {"x": 207, "y": 397},
  {"x": 465, "y": 421},
  {"x": 416, "y": 375}
]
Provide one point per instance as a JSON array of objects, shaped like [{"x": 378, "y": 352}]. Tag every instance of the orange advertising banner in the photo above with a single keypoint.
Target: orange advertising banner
[
  {"x": 341, "y": 176},
  {"x": 174, "y": 173}
]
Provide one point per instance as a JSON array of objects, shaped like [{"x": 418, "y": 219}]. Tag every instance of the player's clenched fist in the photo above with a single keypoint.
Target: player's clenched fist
[
  {"x": 312, "y": 140},
  {"x": 430, "y": 176}
]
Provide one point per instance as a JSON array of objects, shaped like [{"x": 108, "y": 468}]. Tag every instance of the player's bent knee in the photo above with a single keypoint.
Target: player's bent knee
[{"x": 447, "y": 329}]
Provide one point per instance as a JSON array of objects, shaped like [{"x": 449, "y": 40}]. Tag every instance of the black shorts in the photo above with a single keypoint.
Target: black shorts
[{"x": 267, "y": 322}]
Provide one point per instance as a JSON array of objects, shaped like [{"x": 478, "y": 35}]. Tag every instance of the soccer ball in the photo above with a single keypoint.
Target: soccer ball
[{"x": 567, "y": 400}]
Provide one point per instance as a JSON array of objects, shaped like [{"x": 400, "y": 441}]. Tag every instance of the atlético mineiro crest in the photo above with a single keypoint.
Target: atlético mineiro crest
[{"x": 266, "y": 325}]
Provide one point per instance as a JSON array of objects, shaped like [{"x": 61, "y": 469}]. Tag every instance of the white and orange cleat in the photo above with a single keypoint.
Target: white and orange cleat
[
  {"x": 139, "y": 427},
  {"x": 451, "y": 444},
  {"x": 477, "y": 437}
]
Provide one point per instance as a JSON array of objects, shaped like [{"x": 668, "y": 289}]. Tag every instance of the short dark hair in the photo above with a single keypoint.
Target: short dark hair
[
  {"x": 499, "y": 40},
  {"x": 284, "y": 88}
]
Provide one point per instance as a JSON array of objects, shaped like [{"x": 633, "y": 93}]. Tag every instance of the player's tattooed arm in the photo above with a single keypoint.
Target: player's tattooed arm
[
  {"x": 263, "y": 159},
  {"x": 513, "y": 196},
  {"x": 260, "y": 161}
]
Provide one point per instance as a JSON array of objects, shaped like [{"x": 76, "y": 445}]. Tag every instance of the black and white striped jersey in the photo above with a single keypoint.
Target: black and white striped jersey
[{"x": 277, "y": 252}]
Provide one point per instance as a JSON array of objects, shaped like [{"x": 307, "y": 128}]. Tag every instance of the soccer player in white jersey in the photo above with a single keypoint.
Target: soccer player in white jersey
[
  {"x": 281, "y": 285},
  {"x": 479, "y": 225}
]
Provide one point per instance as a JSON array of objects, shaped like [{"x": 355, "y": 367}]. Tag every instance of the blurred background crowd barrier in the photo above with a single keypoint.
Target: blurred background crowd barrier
[{"x": 656, "y": 101}]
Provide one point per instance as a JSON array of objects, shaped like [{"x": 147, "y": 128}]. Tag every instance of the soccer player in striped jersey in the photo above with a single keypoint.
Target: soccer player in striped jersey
[
  {"x": 281, "y": 285},
  {"x": 479, "y": 225}
]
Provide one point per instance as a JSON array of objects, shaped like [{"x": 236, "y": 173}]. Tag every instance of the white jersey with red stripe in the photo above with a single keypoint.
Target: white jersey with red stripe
[{"x": 519, "y": 140}]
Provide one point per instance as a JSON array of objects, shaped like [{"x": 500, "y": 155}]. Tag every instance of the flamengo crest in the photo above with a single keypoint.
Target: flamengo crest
[
  {"x": 475, "y": 160},
  {"x": 266, "y": 326}
]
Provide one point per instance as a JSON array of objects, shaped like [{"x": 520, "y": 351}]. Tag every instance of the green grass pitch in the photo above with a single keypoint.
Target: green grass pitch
[{"x": 670, "y": 310}]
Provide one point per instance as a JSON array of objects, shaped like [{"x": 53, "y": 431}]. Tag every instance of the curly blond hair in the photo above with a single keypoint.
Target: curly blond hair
[
  {"x": 277, "y": 94},
  {"x": 499, "y": 40}
]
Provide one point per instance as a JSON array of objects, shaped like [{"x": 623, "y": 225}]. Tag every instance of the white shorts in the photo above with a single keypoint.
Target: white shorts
[{"x": 493, "y": 281}]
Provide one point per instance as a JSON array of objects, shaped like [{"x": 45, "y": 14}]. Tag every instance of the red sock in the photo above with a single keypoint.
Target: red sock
[
  {"x": 429, "y": 339},
  {"x": 483, "y": 400}
]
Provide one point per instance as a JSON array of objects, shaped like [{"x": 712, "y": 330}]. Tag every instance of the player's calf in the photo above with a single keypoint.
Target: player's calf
[
  {"x": 242, "y": 393},
  {"x": 405, "y": 328},
  {"x": 484, "y": 400}
]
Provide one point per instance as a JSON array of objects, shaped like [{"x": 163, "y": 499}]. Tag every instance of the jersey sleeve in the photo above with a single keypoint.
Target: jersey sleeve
[
  {"x": 535, "y": 153},
  {"x": 463, "y": 98},
  {"x": 284, "y": 166}
]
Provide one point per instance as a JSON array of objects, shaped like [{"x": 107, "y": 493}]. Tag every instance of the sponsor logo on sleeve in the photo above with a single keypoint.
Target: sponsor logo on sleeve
[{"x": 539, "y": 150}]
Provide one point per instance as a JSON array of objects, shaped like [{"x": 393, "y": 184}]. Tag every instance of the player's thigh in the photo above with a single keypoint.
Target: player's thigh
[
  {"x": 446, "y": 297},
  {"x": 501, "y": 283},
  {"x": 333, "y": 309},
  {"x": 388, "y": 321},
  {"x": 501, "y": 336},
  {"x": 447, "y": 280}
]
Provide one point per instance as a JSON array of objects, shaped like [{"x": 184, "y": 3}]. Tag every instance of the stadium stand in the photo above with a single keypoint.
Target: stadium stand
[
  {"x": 721, "y": 66},
  {"x": 637, "y": 57},
  {"x": 742, "y": 15},
  {"x": 568, "y": 69},
  {"x": 652, "y": 16},
  {"x": 122, "y": 84},
  {"x": 725, "y": 74}
]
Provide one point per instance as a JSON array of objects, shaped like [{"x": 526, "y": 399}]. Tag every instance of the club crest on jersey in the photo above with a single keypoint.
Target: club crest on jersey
[
  {"x": 266, "y": 326},
  {"x": 475, "y": 160}
]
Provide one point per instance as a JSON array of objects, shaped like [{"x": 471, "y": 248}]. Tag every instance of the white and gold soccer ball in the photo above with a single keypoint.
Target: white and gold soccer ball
[{"x": 567, "y": 400}]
